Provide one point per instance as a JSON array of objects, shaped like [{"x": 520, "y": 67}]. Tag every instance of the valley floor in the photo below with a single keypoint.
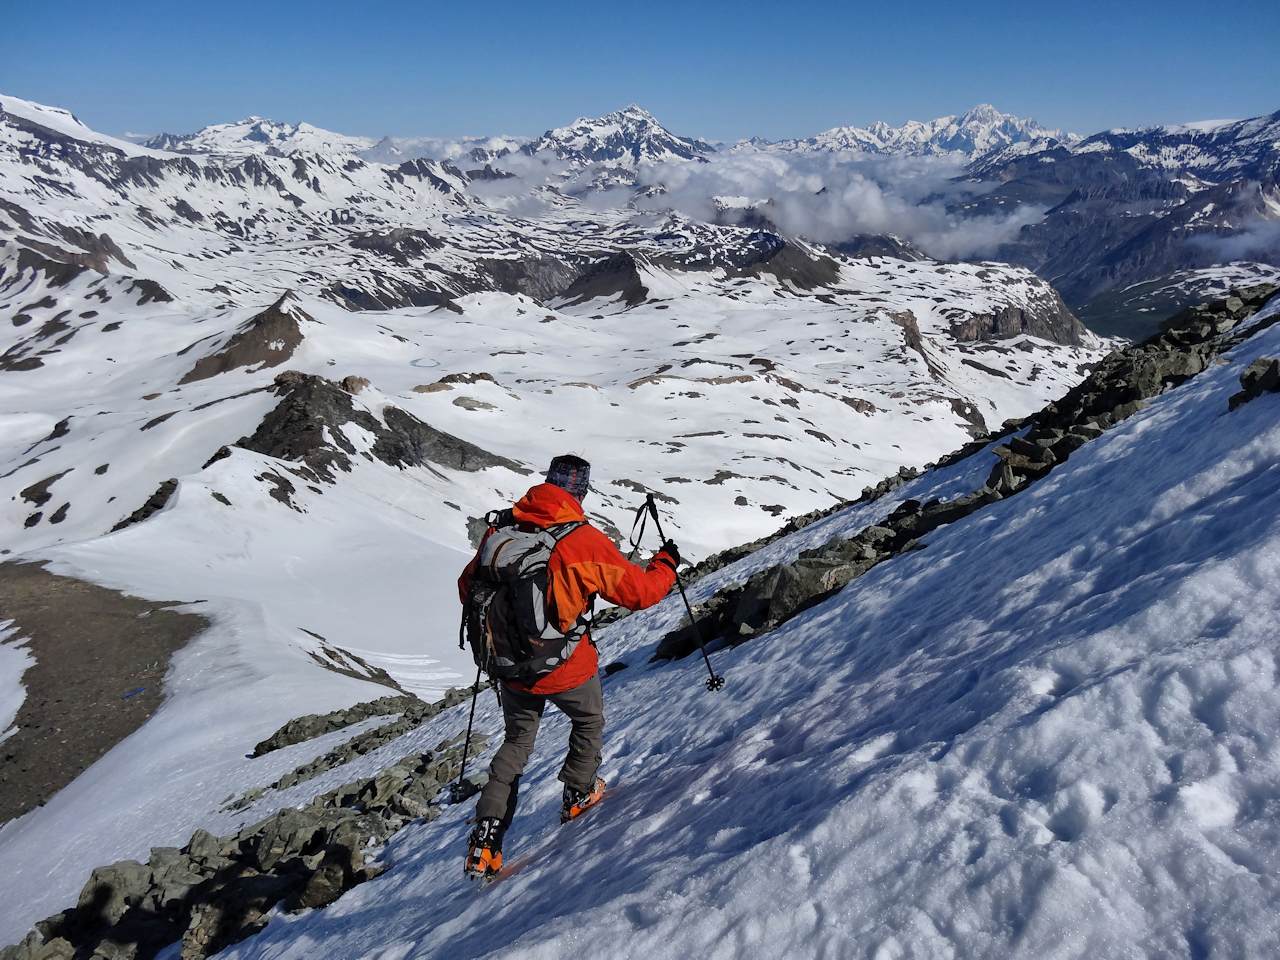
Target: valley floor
[{"x": 100, "y": 658}]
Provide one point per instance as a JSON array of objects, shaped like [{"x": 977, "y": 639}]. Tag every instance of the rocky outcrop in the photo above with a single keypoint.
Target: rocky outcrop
[
  {"x": 385, "y": 292},
  {"x": 1114, "y": 391},
  {"x": 1262, "y": 376},
  {"x": 265, "y": 340},
  {"x": 315, "y": 725},
  {"x": 153, "y": 504},
  {"x": 401, "y": 245},
  {"x": 788, "y": 263},
  {"x": 535, "y": 275},
  {"x": 411, "y": 711},
  {"x": 302, "y": 729},
  {"x": 614, "y": 276},
  {"x": 307, "y": 425},
  {"x": 1046, "y": 317},
  {"x": 215, "y": 891},
  {"x": 754, "y": 254},
  {"x": 868, "y": 245},
  {"x": 149, "y": 291}
]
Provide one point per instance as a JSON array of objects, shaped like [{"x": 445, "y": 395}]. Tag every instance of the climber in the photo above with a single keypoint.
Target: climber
[{"x": 527, "y": 598}]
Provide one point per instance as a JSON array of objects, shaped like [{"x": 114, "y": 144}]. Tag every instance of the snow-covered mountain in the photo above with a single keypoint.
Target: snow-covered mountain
[
  {"x": 255, "y": 401},
  {"x": 628, "y": 136},
  {"x": 283, "y": 386},
  {"x": 1094, "y": 216},
  {"x": 1128, "y": 207},
  {"x": 971, "y": 134},
  {"x": 259, "y": 135},
  {"x": 458, "y": 149},
  {"x": 1214, "y": 150}
]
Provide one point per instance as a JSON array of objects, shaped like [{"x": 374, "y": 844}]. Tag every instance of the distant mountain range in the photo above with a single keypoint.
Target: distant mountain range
[
  {"x": 1162, "y": 206},
  {"x": 1126, "y": 207},
  {"x": 971, "y": 134},
  {"x": 627, "y": 136}
]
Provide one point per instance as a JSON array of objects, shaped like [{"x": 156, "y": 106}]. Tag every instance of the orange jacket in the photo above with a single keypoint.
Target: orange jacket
[{"x": 583, "y": 564}]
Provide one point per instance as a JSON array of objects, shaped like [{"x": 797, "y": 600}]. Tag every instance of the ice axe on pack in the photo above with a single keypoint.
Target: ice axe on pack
[{"x": 650, "y": 509}]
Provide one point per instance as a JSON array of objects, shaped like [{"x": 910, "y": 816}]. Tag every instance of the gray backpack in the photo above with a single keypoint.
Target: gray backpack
[{"x": 504, "y": 618}]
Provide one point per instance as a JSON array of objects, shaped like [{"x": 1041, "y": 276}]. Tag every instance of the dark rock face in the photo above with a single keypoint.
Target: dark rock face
[
  {"x": 306, "y": 426},
  {"x": 154, "y": 504},
  {"x": 867, "y": 245},
  {"x": 216, "y": 891},
  {"x": 38, "y": 493},
  {"x": 315, "y": 725},
  {"x": 1048, "y": 318},
  {"x": 539, "y": 276},
  {"x": 413, "y": 712},
  {"x": 384, "y": 292},
  {"x": 755, "y": 254},
  {"x": 614, "y": 276},
  {"x": 1262, "y": 376},
  {"x": 788, "y": 263},
  {"x": 1114, "y": 391},
  {"x": 401, "y": 244},
  {"x": 98, "y": 250},
  {"x": 149, "y": 291},
  {"x": 266, "y": 340}
]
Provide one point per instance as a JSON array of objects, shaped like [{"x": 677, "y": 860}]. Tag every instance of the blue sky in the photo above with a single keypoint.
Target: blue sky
[{"x": 712, "y": 69}]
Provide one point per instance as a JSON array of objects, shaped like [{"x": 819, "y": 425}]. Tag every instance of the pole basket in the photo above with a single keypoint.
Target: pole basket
[{"x": 715, "y": 682}]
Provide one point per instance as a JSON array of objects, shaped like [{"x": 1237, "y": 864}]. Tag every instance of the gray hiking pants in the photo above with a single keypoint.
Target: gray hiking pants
[{"x": 583, "y": 705}]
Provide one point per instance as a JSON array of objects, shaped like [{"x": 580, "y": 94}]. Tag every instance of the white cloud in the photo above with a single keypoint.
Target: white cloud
[
  {"x": 827, "y": 198},
  {"x": 1258, "y": 239}
]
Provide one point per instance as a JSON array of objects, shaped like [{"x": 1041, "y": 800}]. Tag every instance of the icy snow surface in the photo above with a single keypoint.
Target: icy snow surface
[
  {"x": 14, "y": 661},
  {"x": 1051, "y": 733}
]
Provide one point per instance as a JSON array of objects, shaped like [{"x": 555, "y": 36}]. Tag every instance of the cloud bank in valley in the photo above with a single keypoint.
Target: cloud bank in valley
[
  {"x": 827, "y": 198},
  {"x": 1259, "y": 239},
  {"x": 830, "y": 198}
]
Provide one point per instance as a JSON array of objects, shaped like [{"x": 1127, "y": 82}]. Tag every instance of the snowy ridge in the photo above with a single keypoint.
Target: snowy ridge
[
  {"x": 628, "y": 136},
  {"x": 1213, "y": 151},
  {"x": 260, "y": 135},
  {"x": 974, "y": 133}
]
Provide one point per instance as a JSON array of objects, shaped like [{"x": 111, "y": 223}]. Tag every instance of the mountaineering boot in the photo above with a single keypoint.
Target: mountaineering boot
[
  {"x": 576, "y": 802},
  {"x": 484, "y": 849}
]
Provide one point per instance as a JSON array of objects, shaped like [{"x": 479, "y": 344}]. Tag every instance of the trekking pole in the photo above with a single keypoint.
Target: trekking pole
[
  {"x": 457, "y": 794},
  {"x": 714, "y": 680}
]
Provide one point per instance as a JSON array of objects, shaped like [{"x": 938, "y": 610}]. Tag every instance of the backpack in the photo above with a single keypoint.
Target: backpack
[{"x": 504, "y": 617}]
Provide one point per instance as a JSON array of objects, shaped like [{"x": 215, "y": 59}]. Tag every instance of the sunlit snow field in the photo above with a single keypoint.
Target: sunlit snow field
[{"x": 1051, "y": 733}]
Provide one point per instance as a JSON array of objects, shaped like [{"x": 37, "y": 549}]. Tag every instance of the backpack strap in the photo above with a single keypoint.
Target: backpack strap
[{"x": 558, "y": 533}]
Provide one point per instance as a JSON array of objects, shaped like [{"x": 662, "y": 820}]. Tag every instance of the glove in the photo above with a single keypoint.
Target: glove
[{"x": 671, "y": 551}]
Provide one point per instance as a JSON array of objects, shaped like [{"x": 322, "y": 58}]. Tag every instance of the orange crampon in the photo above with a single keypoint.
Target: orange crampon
[
  {"x": 576, "y": 803},
  {"x": 484, "y": 850}
]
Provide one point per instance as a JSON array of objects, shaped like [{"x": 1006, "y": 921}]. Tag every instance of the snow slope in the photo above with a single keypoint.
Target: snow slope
[
  {"x": 741, "y": 377},
  {"x": 1050, "y": 733},
  {"x": 14, "y": 661}
]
